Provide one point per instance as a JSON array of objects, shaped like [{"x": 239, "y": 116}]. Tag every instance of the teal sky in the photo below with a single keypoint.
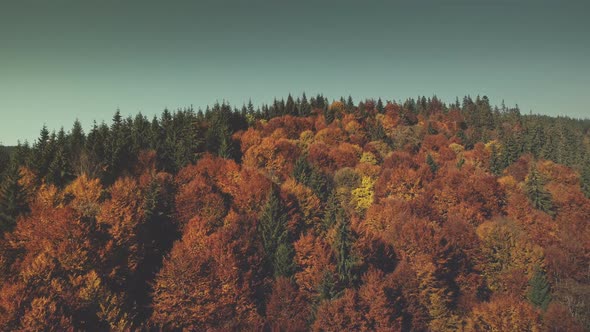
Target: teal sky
[{"x": 62, "y": 60}]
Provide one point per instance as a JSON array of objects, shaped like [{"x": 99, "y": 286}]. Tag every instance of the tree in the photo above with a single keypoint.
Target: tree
[
  {"x": 286, "y": 308},
  {"x": 346, "y": 261},
  {"x": 272, "y": 227},
  {"x": 290, "y": 107},
  {"x": 504, "y": 314},
  {"x": 432, "y": 164},
  {"x": 42, "y": 153},
  {"x": 304, "y": 107},
  {"x": 539, "y": 197},
  {"x": 13, "y": 199},
  {"x": 495, "y": 161},
  {"x": 585, "y": 179},
  {"x": 539, "y": 293},
  {"x": 59, "y": 171}
]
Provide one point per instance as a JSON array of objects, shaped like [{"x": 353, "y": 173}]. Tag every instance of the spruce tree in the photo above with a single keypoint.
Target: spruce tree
[
  {"x": 496, "y": 166},
  {"x": 539, "y": 197},
  {"x": 272, "y": 228},
  {"x": 539, "y": 293},
  {"x": 13, "y": 199},
  {"x": 304, "y": 106},
  {"x": 380, "y": 107},
  {"x": 585, "y": 179},
  {"x": 327, "y": 288},
  {"x": 290, "y": 107},
  {"x": 432, "y": 164},
  {"x": 343, "y": 243}
]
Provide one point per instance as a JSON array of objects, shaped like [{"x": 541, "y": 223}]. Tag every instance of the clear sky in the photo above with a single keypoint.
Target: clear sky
[{"x": 62, "y": 60}]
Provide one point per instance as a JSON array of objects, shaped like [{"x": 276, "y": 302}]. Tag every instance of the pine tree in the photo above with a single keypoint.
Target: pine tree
[
  {"x": 539, "y": 293},
  {"x": 272, "y": 227},
  {"x": 538, "y": 196},
  {"x": 13, "y": 199}
]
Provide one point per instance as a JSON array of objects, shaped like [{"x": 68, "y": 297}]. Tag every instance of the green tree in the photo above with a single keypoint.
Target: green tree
[
  {"x": 539, "y": 197},
  {"x": 60, "y": 172},
  {"x": 496, "y": 166},
  {"x": 42, "y": 153},
  {"x": 346, "y": 261},
  {"x": 585, "y": 179},
  {"x": 13, "y": 199},
  {"x": 432, "y": 164},
  {"x": 304, "y": 106},
  {"x": 291, "y": 107},
  {"x": 272, "y": 227},
  {"x": 327, "y": 288},
  {"x": 539, "y": 292}
]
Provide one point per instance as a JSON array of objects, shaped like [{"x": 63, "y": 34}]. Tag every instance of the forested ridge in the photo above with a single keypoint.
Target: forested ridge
[{"x": 301, "y": 215}]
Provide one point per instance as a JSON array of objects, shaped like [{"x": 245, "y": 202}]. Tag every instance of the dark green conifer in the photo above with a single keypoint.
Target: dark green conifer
[
  {"x": 539, "y": 197},
  {"x": 13, "y": 199},
  {"x": 539, "y": 292},
  {"x": 272, "y": 227},
  {"x": 432, "y": 164}
]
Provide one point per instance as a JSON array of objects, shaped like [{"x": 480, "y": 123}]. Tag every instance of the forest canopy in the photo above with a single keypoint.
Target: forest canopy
[{"x": 301, "y": 215}]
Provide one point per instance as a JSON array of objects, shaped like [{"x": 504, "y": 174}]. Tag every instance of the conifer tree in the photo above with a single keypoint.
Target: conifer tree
[
  {"x": 380, "y": 107},
  {"x": 272, "y": 227},
  {"x": 432, "y": 164},
  {"x": 13, "y": 199},
  {"x": 495, "y": 161},
  {"x": 585, "y": 178},
  {"x": 539, "y": 293},
  {"x": 538, "y": 196},
  {"x": 327, "y": 288},
  {"x": 290, "y": 107},
  {"x": 345, "y": 259}
]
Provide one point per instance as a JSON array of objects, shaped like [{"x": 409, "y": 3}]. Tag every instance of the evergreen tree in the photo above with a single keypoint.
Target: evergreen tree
[
  {"x": 539, "y": 293},
  {"x": 585, "y": 178},
  {"x": 42, "y": 153},
  {"x": 312, "y": 177},
  {"x": 496, "y": 166},
  {"x": 13, "y": 199},
  {"x": 4, "y": 160},
  {"x": 290, "y": 107},
  {"x": 76, "y": 138},
  {"x": 327, "y": 288},
  {"x": 538, "y": 196},
  {"x": 349, "y": 104},
  {"x": 380, "y": 107},
  {"x": 272, "y": 227},
  {"x": 331, "y": 211},
  {"x": 345, "y": 259},
  {"x": 59, "y": 172},
  {"x": 432, "y": 164}
]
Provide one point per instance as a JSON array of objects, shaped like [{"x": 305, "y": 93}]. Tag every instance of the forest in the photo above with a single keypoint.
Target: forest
[{"x": 304, "y": 214}]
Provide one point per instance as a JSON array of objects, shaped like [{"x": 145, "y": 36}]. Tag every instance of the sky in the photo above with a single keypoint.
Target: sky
[{"x": 65, "y": 60}]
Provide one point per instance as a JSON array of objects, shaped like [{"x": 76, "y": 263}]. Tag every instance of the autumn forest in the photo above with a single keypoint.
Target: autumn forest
[{"x": 304, "y": 214}]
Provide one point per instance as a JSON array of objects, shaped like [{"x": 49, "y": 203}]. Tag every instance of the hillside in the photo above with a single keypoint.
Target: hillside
[{"x": 301, "y": 215}]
